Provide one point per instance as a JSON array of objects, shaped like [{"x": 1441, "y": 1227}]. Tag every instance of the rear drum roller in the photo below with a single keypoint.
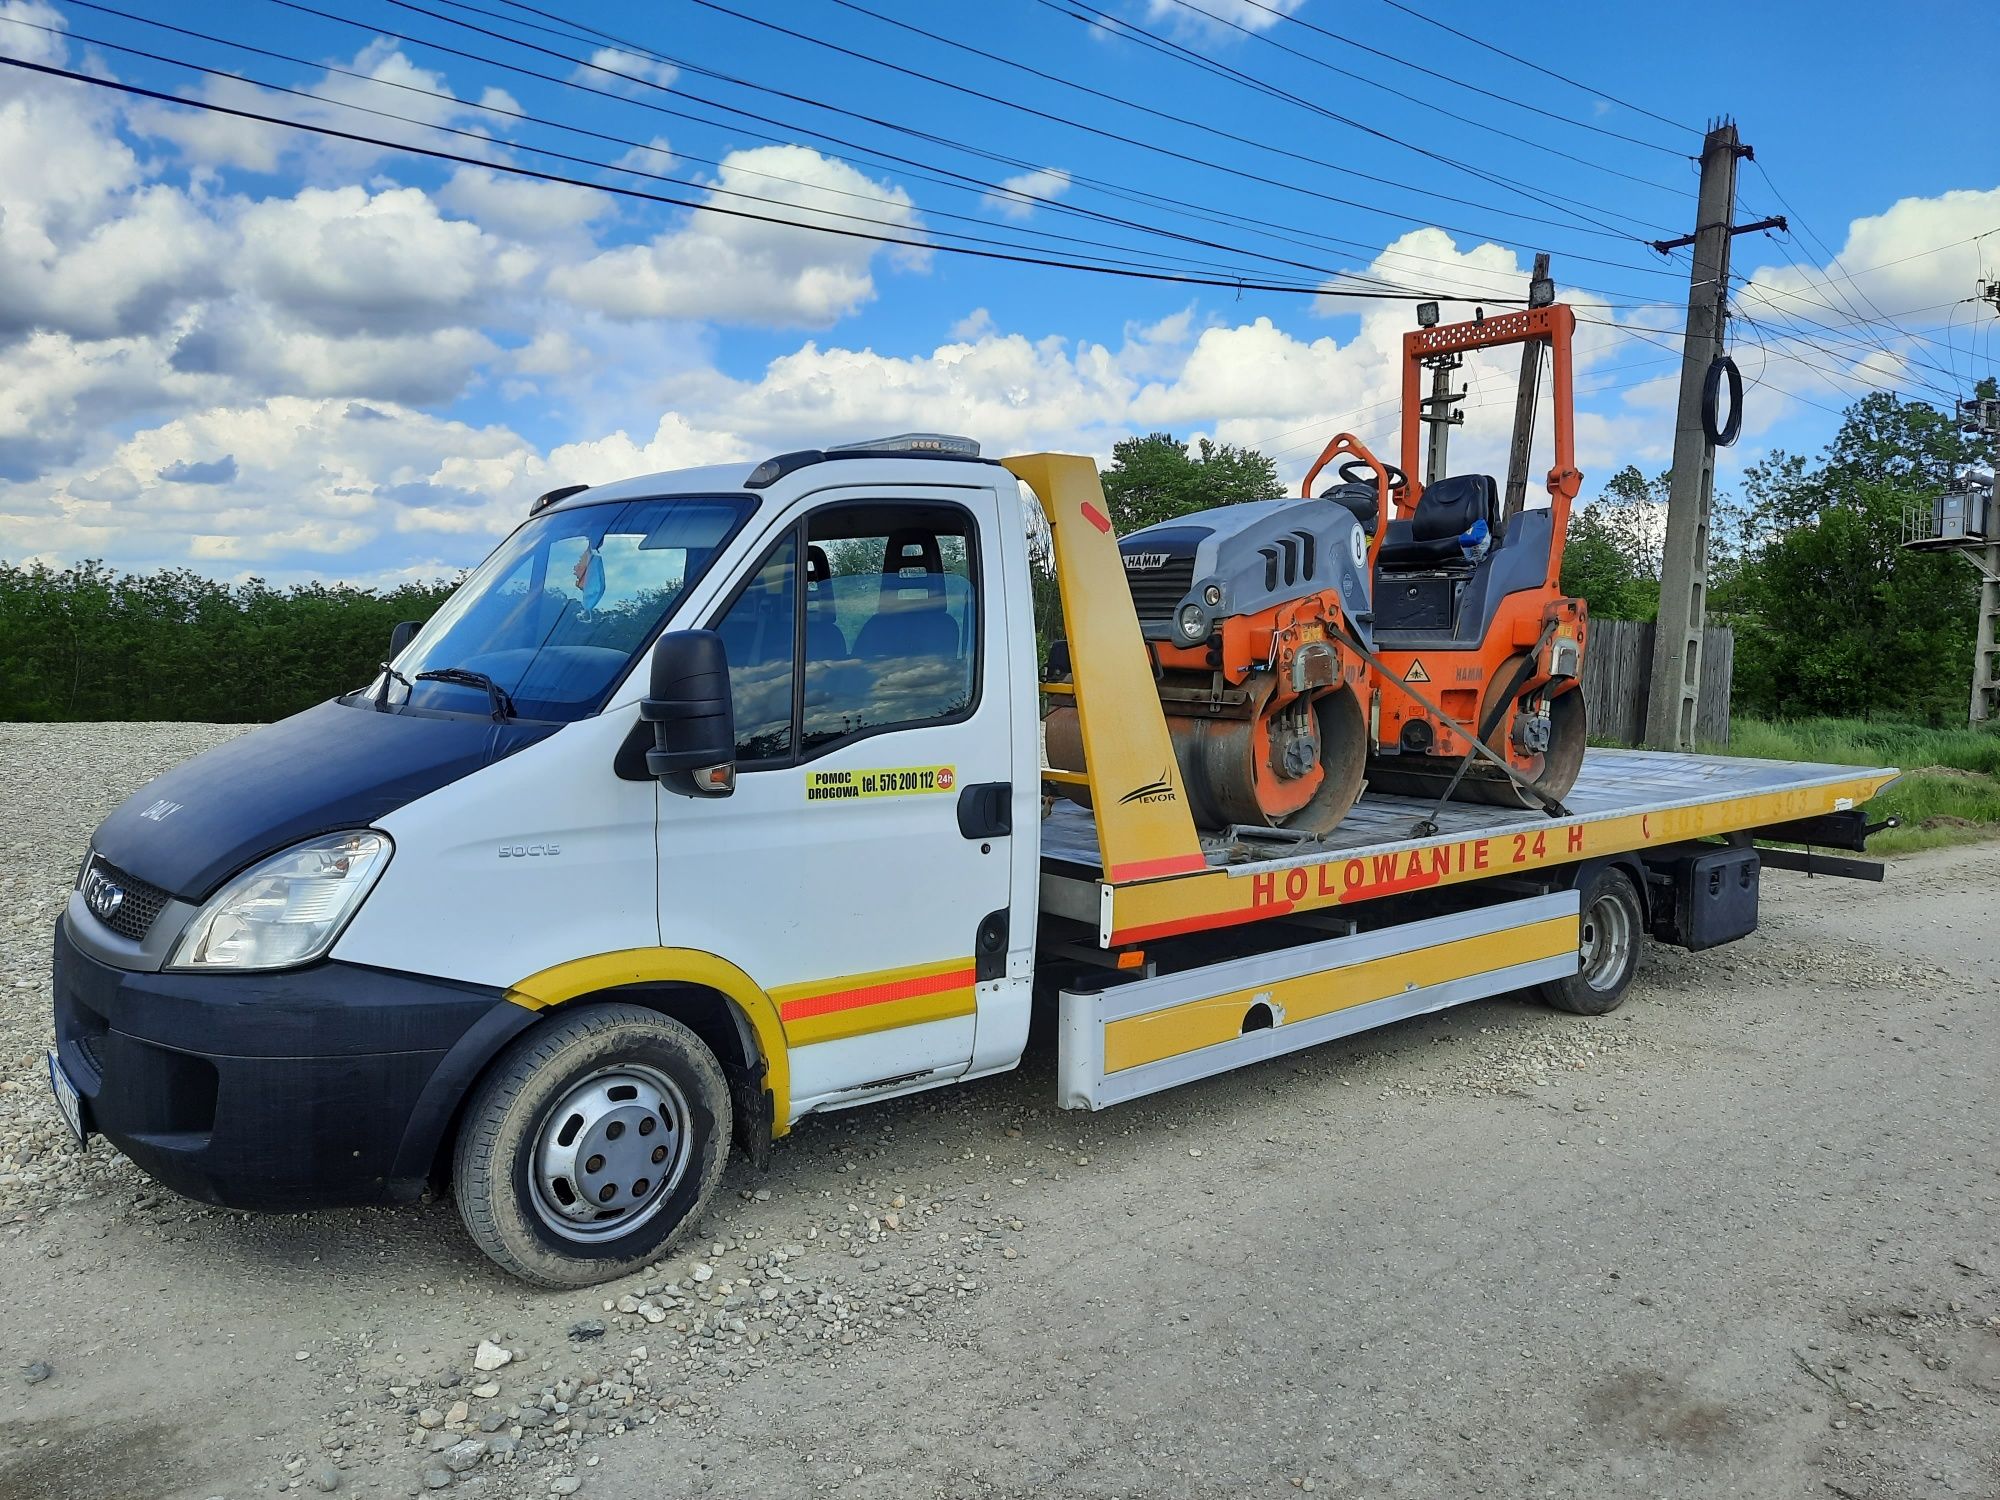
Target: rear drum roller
[{"x": 1554, "y": 770}]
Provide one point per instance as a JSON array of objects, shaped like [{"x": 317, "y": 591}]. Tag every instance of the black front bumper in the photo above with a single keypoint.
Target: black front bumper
[{"x": 303, "y": 1089}]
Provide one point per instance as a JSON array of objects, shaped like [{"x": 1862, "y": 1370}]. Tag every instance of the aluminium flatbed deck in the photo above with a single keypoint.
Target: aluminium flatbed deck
[{"x": 1623, "y": 800}]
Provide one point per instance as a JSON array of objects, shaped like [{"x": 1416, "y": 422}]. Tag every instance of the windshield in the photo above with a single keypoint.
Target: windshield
[{"x": 559, "y": 610}]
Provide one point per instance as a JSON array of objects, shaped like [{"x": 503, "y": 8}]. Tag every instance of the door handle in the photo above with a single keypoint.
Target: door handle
[{"x": 986, "y": 810}]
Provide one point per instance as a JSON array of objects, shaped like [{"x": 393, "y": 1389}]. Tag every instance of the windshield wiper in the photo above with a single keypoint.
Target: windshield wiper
[
  {"x": 388, "y": 673},
  {"x": 503, "y": 706}
]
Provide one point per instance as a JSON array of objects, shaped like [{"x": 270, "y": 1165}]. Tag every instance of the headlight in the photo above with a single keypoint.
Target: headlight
[
  {"x": 289, "y": 909},
  {"x": 1193, "y": 624}
]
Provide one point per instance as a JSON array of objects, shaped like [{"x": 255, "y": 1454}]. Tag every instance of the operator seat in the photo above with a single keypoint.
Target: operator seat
[{"x": 1445, "y": 512}]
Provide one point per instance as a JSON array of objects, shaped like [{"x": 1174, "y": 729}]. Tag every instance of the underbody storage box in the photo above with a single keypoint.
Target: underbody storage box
[{"x": 1704, "y": 895}]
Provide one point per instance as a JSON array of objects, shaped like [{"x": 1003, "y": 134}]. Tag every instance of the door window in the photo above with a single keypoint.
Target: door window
[{"x": 884, "y": 633}]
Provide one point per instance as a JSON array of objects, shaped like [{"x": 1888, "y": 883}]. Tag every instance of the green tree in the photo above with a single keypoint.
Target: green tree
[
  {"x": 1598, "y": 569},
  {"x": 1836, "y": 616},
  {"x": 1155, "y": 478}
]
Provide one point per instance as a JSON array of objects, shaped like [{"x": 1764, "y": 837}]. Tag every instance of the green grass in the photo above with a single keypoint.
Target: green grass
[{"x": 1949, "y": 792}]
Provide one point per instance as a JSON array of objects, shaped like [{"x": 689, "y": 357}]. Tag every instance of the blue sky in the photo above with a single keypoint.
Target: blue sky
[{"x": 246, "y": 350}]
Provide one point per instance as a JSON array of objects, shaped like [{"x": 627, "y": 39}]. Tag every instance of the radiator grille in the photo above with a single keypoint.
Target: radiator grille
[
  {"x": 135, "y": 914},
  {"x": 1156, "y": 592}
]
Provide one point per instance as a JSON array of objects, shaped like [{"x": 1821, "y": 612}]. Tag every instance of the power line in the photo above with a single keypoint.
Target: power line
[
  {"x": 1545, "y": 72},
  {"x": 1317, "y": 271},
  {"x": 871, "y": 156},
  {"x": 1231, "y": 75},
  {"x": 1422, "y": 103},
  {"x": 715, "y": 189},
  {"x": 1403, "y": 62},
  {"x": 643, "y": 50},
  {"x": 515, "y": 170},
  {"x": 1167, "y": 47},
  {"x": 1151, "y": 146}
]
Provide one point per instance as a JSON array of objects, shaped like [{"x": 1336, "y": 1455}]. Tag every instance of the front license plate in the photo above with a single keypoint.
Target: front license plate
[{"x": 66, "y": 1098}]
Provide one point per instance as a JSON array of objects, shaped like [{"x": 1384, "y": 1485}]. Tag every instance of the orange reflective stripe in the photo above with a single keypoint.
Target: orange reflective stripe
[{"x": 875, "y": 994}]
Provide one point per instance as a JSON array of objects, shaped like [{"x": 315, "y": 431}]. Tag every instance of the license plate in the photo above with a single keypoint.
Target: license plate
[{"x": 66, "y": 1099}]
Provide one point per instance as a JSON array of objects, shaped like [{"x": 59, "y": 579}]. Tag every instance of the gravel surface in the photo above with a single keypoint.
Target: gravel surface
[{"x": 1735, "y": 1239}]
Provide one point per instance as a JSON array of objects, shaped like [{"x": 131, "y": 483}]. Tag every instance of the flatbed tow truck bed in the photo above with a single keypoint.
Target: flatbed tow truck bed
[
  {"x": 1238, "y": 969},
  {"x": 1624, "y": 800}
]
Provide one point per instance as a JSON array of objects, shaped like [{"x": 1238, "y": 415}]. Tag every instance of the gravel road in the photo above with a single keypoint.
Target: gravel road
[{"x": 1736, "y": 1239}]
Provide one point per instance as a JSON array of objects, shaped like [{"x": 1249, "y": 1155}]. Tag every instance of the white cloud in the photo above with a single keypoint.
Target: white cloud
[
  {"x": 390, "y": 84},
  {"x": 975, "y": 324},
  {"x": 1219, "y": 19},
  {"x": 626, "y": 72},
  {"x": 736, "y": 270},
  {"x": 1018, "y": 197}
]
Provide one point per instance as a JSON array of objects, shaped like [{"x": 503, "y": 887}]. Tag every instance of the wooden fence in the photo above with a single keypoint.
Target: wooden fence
[{"x": 1618, "y": 678}]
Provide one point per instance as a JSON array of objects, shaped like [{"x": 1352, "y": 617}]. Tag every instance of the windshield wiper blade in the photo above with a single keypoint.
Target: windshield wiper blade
[{"x": 503, "y": 705}]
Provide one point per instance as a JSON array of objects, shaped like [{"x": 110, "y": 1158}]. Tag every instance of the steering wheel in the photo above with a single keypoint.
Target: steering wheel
[{"x": 1390, "y": 477}]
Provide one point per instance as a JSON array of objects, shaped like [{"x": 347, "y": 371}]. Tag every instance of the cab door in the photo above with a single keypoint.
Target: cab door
[{"x": 860, "y": 870}]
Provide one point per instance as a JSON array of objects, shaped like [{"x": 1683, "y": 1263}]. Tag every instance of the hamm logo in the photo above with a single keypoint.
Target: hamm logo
[
  {"x": 1139, "y": 562},
  {"x": 1159, "y": 789}
]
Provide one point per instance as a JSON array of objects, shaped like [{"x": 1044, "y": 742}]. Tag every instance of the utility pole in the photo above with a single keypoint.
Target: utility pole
[
  {"x": 1676, "y": 690},
  {"x": 1541, "y": 292},
  {"x": 1438, "y": 414}
]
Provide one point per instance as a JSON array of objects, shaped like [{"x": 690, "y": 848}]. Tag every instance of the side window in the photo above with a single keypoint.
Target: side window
[
  {"x": 760, "y": 634},
  {"x": 892, "y": 621}
]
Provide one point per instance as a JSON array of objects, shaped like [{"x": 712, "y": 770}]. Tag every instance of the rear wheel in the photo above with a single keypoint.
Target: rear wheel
[
  {"x": 590, "y": 1143},
  {"x": 1611, "y": 924}
]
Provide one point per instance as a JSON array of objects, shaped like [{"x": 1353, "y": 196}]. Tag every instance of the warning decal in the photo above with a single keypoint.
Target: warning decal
[
  {"x": 1416, "y": 672},
  {"x": 901, "y": 781}
]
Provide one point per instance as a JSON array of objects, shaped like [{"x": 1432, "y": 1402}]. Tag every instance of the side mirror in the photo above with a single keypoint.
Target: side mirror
[
  {"x": 693, "y": 719},
  {"x": 401, "y": 634}
]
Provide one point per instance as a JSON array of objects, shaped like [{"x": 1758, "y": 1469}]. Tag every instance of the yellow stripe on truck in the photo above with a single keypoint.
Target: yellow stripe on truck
[
  {"x": 1195, "y": 1024},
  {"x": 826, "y": 1010}
]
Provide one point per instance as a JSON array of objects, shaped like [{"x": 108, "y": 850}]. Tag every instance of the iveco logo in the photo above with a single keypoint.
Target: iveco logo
[
  {"x": 1137, "y": 561},
  {"x": 102, "y": 895}
]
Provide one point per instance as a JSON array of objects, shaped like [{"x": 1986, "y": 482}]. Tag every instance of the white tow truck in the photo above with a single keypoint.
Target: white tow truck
[{"x": 716, "y": 799}]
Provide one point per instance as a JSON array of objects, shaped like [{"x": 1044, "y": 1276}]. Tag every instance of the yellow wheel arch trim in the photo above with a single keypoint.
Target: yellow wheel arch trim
[{"x": 607, "y": 971}]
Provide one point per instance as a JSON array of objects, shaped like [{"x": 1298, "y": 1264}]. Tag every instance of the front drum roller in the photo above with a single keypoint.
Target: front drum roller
[{"x": 1231, "y": 768}]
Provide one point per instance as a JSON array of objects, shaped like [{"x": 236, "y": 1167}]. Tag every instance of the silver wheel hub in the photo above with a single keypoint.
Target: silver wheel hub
[
  {"x": 609, "y": 1152},
  {"x": 1604, "y": 944}
]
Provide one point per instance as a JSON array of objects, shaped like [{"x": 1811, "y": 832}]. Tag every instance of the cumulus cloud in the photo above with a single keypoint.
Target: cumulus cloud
[
  {"x": 739, "y": 270},
  {"x": 628, "y": 72},
  {"x": 1219, "y": 19},
  {"x": 1019, "y": 196}
]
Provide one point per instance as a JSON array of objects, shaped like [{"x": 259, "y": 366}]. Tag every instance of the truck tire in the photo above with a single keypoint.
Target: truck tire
[
  {"x": 1611, "y": 923},
  {"x": 589, "y": 1143}
]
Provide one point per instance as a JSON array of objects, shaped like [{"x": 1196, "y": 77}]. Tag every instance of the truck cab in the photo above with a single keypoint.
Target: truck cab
[{"x": 290, "y": 962}]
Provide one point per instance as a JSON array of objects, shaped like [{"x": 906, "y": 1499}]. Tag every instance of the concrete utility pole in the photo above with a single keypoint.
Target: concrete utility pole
[
  {"x": 1541, "y": 292},
  {"x": 1438, "y": 414},
  {"x": 1670, "y": 711}
]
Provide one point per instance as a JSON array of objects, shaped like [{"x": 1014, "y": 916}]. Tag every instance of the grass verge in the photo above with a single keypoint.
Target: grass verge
[{"x": 1949, "y": 792}]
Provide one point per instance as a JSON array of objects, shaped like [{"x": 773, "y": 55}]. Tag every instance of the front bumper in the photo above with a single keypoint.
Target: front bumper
[{"x": 311, "y": 1087}]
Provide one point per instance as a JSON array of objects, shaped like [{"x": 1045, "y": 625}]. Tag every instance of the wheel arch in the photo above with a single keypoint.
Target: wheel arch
[
  {"x": 1575, "y": 877},
  {"x": 714, "y": 998}
]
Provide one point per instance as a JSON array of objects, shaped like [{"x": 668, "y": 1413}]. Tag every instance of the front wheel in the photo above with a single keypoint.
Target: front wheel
[
  {"x": 590, "y": 1143},
  {"x": 1611, "y": 922}
]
